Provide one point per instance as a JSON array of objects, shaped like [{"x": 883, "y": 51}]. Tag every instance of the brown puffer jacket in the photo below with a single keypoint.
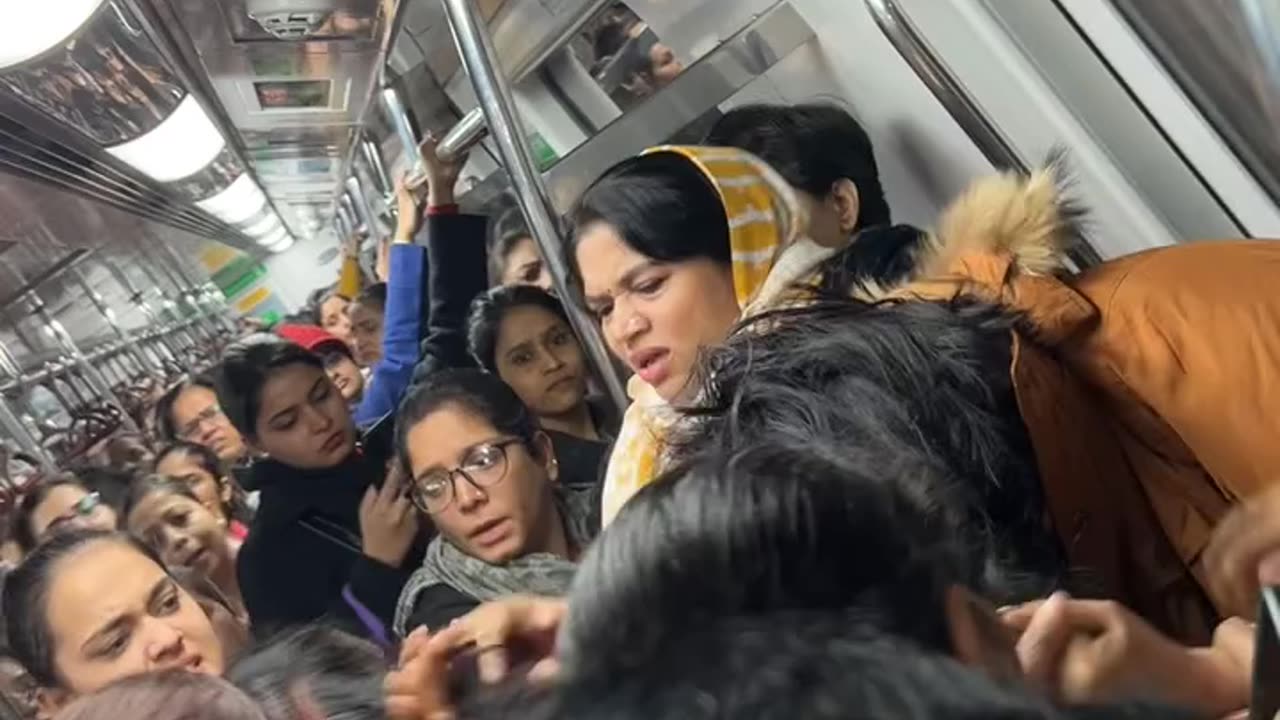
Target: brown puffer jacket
[{"x": 1149, "y": 384}]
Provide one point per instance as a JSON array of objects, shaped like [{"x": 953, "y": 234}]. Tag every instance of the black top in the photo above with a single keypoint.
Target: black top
[
  {"x": 438, "y": 605},
  {"x": 456, "y": 275},
  {"x": 583, "y": 462},
  {"x": 304, "y": 543}
]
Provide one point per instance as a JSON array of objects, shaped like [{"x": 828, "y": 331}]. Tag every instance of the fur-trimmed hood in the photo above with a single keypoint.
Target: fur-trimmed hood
[{"x": 1006, "y": 239}]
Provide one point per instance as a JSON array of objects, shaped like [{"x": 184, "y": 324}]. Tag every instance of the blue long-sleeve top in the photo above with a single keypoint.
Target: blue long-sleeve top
[{"x": 402, "y": 323}]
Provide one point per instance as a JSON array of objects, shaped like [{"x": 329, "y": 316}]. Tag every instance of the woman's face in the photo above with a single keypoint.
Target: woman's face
[
  {"x": 524, "y": 266},
  {"x": 183, "y": 531},
  {"x": 346, "y": 376},
  {"x": 199, "y": 419},
  {"x": 366, "y": 333},
  {"x": 655, "y": 316},
  {"x": 538, "y": 355},
  {"x": 508, "y": 511},
  {"x": 334, "y": 319},
  {"x": 303, "y": 420},
  {"x": 663, "y": 65},
  {"x": 212, "y": 491},
  {"x": 68, "y": 507},
  {"x": 113, "y": 613}
]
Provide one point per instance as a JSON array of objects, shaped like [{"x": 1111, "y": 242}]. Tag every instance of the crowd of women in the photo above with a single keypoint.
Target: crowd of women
[{"x": 867, "y": 470}]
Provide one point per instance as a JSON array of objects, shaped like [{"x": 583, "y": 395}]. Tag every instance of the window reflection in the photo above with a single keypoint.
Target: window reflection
[
  {"x": 109, "y": 81},
  {"x": 625, "y": 56}
]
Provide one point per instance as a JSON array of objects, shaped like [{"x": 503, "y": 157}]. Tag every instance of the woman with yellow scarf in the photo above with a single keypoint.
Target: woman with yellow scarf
[{"x": 672, "y": 249}]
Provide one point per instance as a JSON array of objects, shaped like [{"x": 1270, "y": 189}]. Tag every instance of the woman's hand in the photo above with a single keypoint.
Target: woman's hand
[
  {"x": 351, "y": 245},
  {"x": 442, "y": 175},
  {"x": 1093, "y": 650},
  {"x": 388, "y": 521},
  {"x": 418, "y": 688},
  {"x": 521, "y": 625},
  {"x": 408, "y": 209},
  {"x": 1244, "y": 554}
]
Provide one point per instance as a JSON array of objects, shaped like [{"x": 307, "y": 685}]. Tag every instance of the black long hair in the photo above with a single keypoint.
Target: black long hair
[
  {"x": 340, "y": 675},
  {"x": 812, "y": 146},
  {"x": 931, "y": 376},
  {"x": 777, "y": 526},
  {"x": 661, "y": 205}
]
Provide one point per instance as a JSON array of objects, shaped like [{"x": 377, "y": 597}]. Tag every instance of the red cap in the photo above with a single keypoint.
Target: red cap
[{"x": 313, "y": 338}]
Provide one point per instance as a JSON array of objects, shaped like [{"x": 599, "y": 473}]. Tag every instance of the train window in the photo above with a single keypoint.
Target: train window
[
  {"x": 1209, "y": 50},
  {"x": 109, "y": 81}
]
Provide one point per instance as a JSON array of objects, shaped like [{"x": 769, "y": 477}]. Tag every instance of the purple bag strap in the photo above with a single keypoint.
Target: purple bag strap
[{"x": 371, "y": 622}]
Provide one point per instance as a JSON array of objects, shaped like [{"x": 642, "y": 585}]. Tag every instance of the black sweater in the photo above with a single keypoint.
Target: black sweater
[{"x": 304, "y": 543}]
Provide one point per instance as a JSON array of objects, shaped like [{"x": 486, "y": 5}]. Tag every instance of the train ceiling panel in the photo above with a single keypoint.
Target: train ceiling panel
[{"x": 293, "y": 78}]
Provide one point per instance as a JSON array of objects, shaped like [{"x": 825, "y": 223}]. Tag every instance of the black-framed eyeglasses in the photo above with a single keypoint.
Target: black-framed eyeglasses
[
  {"x": 208, "y": 415},
  {"x": 484, "y": 466}
]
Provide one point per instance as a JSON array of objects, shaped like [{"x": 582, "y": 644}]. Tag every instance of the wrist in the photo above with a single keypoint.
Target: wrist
[
  {"x": 383, "y": 556},
  {"x": 1215, "y": 684},
  {"x": 441, "y": 196}
]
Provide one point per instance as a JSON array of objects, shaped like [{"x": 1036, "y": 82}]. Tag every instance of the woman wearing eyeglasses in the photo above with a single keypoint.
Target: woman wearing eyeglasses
[
  {"x": 58, "y": 504},
  {"x": 189, "y": 411},
  {"x": 484, "y": 473}
]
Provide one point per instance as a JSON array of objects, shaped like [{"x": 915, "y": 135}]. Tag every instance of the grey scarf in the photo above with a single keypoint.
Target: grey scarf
[{"x": 537, "y": 573}]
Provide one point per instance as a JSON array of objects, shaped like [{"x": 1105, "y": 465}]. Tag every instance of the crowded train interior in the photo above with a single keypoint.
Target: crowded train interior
[{"x": 639, "y": 359}]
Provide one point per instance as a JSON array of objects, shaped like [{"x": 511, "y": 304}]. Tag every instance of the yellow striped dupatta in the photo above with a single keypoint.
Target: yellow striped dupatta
[{"x": 769, "y": 254}]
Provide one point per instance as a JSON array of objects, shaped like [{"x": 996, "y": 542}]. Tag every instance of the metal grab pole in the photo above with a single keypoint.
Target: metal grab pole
[
  {"x": 479, "y": 59},
  {"x": 11, "y": 422},
  {"x": 92, "y": 376}
]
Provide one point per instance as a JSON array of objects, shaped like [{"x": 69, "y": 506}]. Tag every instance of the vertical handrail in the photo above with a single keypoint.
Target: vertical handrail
[
  {"x": 11, "y": 421},
  {"x": 93, "y": 376},
  {"x": 956, "y": 100},
  {"x": 480, "y": 61}
]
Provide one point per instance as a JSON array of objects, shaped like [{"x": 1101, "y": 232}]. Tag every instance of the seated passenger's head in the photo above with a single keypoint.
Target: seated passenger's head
[
  {"x": 522, "y": 334},
  {"x": 926, "y": 376},
  {"x": 129, "y": 451},
  {"x": 366, "y": 324},
  {"x": 167, "y": 695},
  {"x": 651, "y": 253},
  {"x": 367, "y": 312},
  {"x": 514, "y": 258},
  {"x": 314, "y": 672},
  {"x": 88, "y": 608},
  {"x": 190, "y": 411},
  {"x": 803, "y": 527},
  {"x": 339, "y": 360},
  {"x": 167, "y": 515},
  {"x": 331, "y": 314},
  {"x": 793, "y": 666},
  {"x": 478, "y": 465},
  {"x": 822, "y": 152},
  {"x": 279, "y": 397},
  {"x": 56, "y": 505},
  {"x": 201, "y": 471}
]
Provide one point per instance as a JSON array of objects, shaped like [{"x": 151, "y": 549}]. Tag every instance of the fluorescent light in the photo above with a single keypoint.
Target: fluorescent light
[
  {"x": 182, "y": 144},
  {"x": 274, "y": 237},
  {"x": 266, "y": 225},
  {"x": 240, "y": 201},
  {"x": 284, "y": 242},
  {"x": 31, "y": 28}
]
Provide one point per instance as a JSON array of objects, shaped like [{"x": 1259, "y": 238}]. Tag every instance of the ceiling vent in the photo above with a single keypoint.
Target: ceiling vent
[{"x": 290, "y": 19}]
